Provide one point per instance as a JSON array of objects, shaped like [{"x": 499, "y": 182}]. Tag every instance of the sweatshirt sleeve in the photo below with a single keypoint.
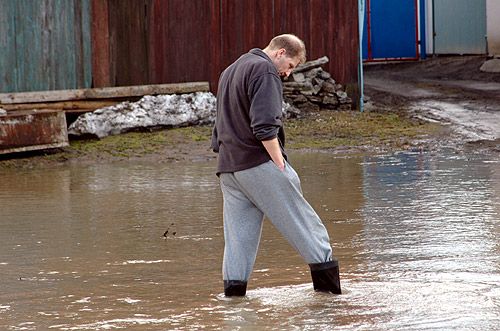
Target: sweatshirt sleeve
[
  {"x": 266, "y": 93},
  {"x": 214, "y": 143}
]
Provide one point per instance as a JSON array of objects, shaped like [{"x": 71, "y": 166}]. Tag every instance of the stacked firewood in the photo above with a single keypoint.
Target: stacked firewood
[{"x": 310, "y": 88}]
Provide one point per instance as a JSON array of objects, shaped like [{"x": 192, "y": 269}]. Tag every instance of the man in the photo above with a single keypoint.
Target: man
[{"x": 255, "y": 177}]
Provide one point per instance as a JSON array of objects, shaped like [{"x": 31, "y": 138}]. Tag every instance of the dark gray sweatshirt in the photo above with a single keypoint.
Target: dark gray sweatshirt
[{"x": 249, "y": 102}]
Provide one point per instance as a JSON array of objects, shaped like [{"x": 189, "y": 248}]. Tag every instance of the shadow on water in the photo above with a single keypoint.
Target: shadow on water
[{"x": 139, "y": 246}]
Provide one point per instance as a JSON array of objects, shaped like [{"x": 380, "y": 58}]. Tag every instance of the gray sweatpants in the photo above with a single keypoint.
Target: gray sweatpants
[{"x": 265, "y": 190}]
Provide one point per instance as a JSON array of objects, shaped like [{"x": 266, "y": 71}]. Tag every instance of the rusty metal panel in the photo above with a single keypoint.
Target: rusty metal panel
[
  {"x": 32, "y": 130},
  {"x": 47, "y": 45}
]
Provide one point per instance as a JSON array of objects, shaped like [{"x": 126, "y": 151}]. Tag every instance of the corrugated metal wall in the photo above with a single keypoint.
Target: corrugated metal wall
[
  {"x": 166, "y": 41},
  {"x": 44, "y": 45},
  {"x": 459, "y": 26}
]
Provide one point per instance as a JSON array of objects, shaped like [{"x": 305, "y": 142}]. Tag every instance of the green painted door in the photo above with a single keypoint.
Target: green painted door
[
  {"x": 459, "y": 26},
  {"x": 44, "y": 45}
]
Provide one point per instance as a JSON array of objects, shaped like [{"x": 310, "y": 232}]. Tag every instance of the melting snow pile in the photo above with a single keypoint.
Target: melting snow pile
[{"x": 170, "y": 110}]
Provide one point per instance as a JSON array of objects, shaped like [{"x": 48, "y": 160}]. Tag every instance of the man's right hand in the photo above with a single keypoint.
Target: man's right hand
[{"x": 273, "y": 149}]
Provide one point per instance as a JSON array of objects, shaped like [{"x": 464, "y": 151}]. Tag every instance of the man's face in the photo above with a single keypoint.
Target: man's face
[{"x": 285, "y": 64}]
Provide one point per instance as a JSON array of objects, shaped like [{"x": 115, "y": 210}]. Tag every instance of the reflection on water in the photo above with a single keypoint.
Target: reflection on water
[{"x": 139, "y": 246}]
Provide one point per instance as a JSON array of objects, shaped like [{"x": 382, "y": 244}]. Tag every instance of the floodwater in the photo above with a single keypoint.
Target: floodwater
[{"x": 417, "y": 236}]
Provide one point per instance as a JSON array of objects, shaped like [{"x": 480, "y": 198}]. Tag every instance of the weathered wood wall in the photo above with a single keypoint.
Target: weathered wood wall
[
  {"x": 158, "y": 41},
  {"x": 328, "y": 27},
  {"x": 54, "y": 44},
  {"x": 44, "y": 45}
]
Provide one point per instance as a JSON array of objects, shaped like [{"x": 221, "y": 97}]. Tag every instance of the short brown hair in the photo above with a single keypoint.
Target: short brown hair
[{"x": 293, "y": 45}]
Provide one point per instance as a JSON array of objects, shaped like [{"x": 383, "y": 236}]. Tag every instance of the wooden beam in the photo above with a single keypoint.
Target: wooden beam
[
  {"x": 102, "y": 93},
  {"x": 64, "y": 105}
]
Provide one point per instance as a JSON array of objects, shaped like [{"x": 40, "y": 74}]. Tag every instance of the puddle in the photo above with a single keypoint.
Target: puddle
[{"x": 417, "y": 235}]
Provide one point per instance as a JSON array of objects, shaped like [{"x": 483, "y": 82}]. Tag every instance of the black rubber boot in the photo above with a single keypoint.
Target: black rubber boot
[
  {"x": 235, "y": 288},
  {"x": 325, "y": 276}
]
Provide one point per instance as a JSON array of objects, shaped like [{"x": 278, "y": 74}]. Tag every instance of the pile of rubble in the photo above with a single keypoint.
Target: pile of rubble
[{"x": 310, "y": 88}]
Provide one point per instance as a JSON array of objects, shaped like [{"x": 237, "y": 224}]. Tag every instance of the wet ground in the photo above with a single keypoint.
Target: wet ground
[
  {"x": 138, "y": 245},
  {"x": 450, "y": 90}
]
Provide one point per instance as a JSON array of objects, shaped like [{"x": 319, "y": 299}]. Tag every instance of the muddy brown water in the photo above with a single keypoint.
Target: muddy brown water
[{"x": 417, "y": 236}]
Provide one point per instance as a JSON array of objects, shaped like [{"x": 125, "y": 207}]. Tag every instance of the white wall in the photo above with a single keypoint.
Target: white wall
[
  {"x": 493, "y": 26},
  {"x": 429, "y": 29}
]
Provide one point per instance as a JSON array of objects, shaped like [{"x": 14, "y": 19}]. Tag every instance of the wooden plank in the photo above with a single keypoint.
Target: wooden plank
[
  {"x": 128, "y": 41},
  {"x": 102, "y": 93},
  {"x": 344, "y": 44},
  {"x": 181, "y": 40},
  {"x": 28, "y": 35},
  {"x": 8, "y": 81},
  {"x": 43, "y": 45},
  {"x": 328, "y": 28},
  {"x": 293, "y": 16},
  {"x": 83, "y": 53},
  {"x": 77, "y": 105},
  {"x": 157, "y": 43},
  {"x": 101, "y": 74},
  {"x": 216, "y": 51},
  {"x": 246, "y": 24}
]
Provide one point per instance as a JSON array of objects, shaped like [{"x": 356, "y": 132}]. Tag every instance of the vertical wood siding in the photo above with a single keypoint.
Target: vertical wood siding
[
  {"x": 61, "y": 44},
  {"x": 8, "y": 80},
  {"x": 183, "y": 35},
  {"x": 128, "y": 42},
  {"x": 168, "y": 41},
  {"x": 45, "y": 45},
  {"x": 101, "y": 59},
  {"x": 328, "y": 27},
  {"x": 245, "y": 24}
]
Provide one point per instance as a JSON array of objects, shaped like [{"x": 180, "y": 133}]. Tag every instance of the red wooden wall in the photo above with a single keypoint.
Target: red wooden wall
[{"x": 167, "y": 41}]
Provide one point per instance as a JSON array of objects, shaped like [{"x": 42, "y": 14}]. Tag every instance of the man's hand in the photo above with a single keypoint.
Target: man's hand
[{"x": 273, "y": 149}]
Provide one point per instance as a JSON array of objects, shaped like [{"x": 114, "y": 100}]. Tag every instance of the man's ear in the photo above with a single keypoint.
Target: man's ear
[{"x": 281, "y": 51}]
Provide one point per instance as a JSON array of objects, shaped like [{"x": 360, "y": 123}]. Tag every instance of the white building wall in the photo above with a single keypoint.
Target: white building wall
[
  {"x": 493, "y": 26},
  {"x": 429, "y": 29}
]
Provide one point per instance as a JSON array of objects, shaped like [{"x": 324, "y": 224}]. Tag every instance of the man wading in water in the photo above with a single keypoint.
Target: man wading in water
[{"x": 255, "y": 178}]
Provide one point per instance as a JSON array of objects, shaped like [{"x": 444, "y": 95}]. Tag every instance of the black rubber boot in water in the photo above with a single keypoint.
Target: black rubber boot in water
[
  {"x": 235, "y": 288},
  {"x": 325, "y": 276}
]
